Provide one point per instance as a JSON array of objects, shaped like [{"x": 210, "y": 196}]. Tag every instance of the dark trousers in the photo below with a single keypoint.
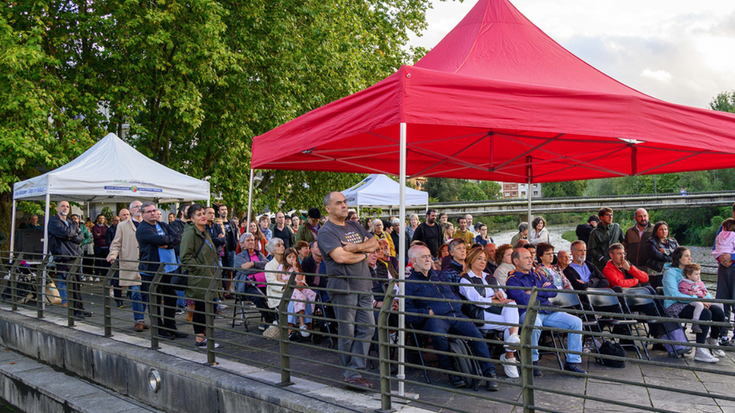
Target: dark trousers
[
  {"x": 101, "y": 265},
  {"x": 462, "y": 326},
  {"x": 73, "y": 286},
  {"x": 199, "y": 318},
  {"x": 726, "y": 286},
  {"x": 714, "y": 313},
  {"x": 169, "y": 300}
]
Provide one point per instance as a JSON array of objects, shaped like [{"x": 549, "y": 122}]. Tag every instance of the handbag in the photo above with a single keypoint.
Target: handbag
[{"x": 52, "y": 293}]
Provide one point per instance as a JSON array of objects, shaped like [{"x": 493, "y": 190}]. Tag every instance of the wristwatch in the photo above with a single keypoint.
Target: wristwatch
[{"x": 366, "y": 255}]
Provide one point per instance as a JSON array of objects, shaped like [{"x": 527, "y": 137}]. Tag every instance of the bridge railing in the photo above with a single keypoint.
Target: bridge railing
[{"x": 405, "y": 363}]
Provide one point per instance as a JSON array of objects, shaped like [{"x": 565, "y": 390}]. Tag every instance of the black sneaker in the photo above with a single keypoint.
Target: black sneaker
[
  {"x": 574, "y": 368},
  {"x": 492, "y": 385},
  {"x": 537, "y": 372},
  {"x": 726, "y": 344},
  {"x": 166, "y": 334},
  {"x": 456, "y": 381},
  {"x": 85, "y": 313},
  {"x": 178, "y": 334},
  {"x": 78, "y": 315}
]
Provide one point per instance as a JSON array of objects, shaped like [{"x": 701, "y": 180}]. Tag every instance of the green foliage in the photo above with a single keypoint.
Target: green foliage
[
  {"x": 724, "y": 102},
  {"x": 444, "y": 190},
  {"x": 107, "y": 212},
  {"x": 492, "y": 189},
  {"x": 470, "y": 191},
  {"x": 563, "y": 189},
  {"x": 570, "y": 236}
]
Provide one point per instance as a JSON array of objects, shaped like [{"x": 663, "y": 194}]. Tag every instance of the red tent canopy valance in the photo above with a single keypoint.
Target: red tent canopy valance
[{"x": 497, "y": 99}]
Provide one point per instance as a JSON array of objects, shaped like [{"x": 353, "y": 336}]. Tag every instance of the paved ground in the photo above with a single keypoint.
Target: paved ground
[{"x": 316, "y": 362}]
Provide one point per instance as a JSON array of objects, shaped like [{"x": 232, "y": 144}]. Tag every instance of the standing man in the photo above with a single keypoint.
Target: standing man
[
  {"x": 125, "y": 247},
  {"x": 65, "y": 244},
  {"x": 463, "y": 233},
  {"x": 429, "y": 232},
  {"x": 215, "y": 231},
  {"x": 490, "y": 267},
  {"x": 345, "y": 246},
  {"x": 471, "y": 226},
  {"x": 583, "y": 230},
  {"x": 156, "y": 242},
  {"x": 282, "y": 231},
  {"x": 602, "y": 237},
  {"x": 308, "y": 232},
  {"x": 231, "y": 240},
  {"x": 636, "y": 240}
]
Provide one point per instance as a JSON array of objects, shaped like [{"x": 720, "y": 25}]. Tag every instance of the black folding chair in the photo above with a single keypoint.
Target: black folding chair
[
  {"x": 631, "y": 303},
  {"x": 416, "y": 343},
  {"x": 568, "y": 300},
  {"x": 611, "y": 304}
]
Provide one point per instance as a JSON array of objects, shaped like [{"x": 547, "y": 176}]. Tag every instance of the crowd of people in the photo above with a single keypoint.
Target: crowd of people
[{"x": 355, "y": 259}]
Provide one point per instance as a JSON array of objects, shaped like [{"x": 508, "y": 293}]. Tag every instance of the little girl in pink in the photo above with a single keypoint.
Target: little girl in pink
[{"x": 725, "y": 241}]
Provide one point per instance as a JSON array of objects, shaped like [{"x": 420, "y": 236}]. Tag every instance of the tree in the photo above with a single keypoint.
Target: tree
[
  {"x": 443, "y": 189},
  {"x": 724, "y": 102},
  {"x": 194, "y": 81},
  {"x": 563, "y": 189},
  {"x": 492, "y": 189},
  {"x": 471, "y": 191}
]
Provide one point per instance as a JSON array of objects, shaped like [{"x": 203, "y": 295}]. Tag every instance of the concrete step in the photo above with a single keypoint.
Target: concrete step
[{"x": 35, "y": 387}]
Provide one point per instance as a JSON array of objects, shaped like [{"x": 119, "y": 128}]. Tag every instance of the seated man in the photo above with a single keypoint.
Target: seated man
[
  {"x": 620, "y": 273},
  {"x": 580, "y": 273},
  {"x": 421, "y": 260},
  {"x": 524, "y": 276}
]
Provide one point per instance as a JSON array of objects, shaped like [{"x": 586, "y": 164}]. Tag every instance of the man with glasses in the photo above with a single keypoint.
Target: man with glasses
[
  {"x": 620, "y": 272},
  {"x": 65, "y": 240},
  {"x": 419, "y": 312},
  {"x": 429, "y": 232},
  {"x": 602, "y": 237},
  {"x": 156, "y": 242},
  {"x": 125, "y": 248}
]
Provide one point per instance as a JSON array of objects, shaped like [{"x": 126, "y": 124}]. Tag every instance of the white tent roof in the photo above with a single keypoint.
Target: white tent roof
[
  {"x": 112, "y": 170},
  {"x": 378, "y": 189}
]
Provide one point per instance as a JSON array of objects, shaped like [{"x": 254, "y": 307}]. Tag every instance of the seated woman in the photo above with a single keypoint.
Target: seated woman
[
  {"x": 680, "y": 258},
  {"x": 505, "y": 265},
  {"x": 545, "y": 256},
  {"x": 301, "y": 293},
  {"x": 274, "y": 284},
  {"x": 474, "y": 288},
  {"x": 250, "y": 278},
  {"x": 539, "y": 233},
  {"x": 659, "y": 247}
]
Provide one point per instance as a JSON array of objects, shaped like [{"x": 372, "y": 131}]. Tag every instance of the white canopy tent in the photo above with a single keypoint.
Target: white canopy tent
[
  {"x": 379, "y": 190},
  {"x": 109, "y": 171}
]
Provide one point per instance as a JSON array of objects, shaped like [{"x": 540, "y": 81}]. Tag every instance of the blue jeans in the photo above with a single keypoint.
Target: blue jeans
[
  {"x": 139, "y": 299},
  {"x": 559, "y": 320},
  {"x": 62, "y": 289},
  {"x": 462, "y": 326}
]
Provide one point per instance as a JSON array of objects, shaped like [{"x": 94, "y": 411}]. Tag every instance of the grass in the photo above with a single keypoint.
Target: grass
[{"x": 570, "y": 236}]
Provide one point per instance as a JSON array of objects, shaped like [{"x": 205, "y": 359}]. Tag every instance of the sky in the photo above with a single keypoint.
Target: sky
[{"x": 676, "y": 50}]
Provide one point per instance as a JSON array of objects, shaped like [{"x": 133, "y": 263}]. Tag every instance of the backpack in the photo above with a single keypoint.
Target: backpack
[
  {"x": 463, "y": 364},
  {"x": 611, "y": 348}
]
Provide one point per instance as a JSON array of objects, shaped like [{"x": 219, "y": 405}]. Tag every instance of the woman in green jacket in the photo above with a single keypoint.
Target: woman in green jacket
[{"x": 200, "y": 261}]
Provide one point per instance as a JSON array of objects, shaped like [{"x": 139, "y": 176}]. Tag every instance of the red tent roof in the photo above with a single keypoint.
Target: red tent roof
[{"x": 497, "y": 99}]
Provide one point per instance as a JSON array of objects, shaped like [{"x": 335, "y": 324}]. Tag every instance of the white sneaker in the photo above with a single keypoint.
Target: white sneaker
[
  {"x": 304, "y": 332},
  {"x": 701, "y": 354},
  {"x": 513, "y": 339},
  {"x": 715, "y": 351},
  {"x": 510, "y": 371}
]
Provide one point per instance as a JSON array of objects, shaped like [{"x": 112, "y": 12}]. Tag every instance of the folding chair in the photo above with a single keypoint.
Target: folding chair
[
  {"x": 606, "y": 303},
  {"x": 637, "y": 302},
  {"x": 416, "y": 342},
  {"x": 570, "y": 300}
]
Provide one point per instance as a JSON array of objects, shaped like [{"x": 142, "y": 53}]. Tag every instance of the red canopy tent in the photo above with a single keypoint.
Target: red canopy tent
[
  {"x": 496, "y": 96},
  {"x": 497, "y": 99}
]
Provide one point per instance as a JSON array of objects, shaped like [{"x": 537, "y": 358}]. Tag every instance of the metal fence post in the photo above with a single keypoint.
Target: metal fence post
[
  {"x": 14, "y": 283},
  {"x": 69, "y": 304},
  {"x": 384, "y": 350},
  {"x": 209, "y": 315},
  {"x": 107, "y": 300},
  {"x": 526, "y": 352},
  {"x": 283, "y": 330},
  {"x": 153, "y": 307},
  {"x": 41, "y": 291}
]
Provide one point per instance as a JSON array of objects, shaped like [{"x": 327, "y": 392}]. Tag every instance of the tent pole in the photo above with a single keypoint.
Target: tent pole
[
  {"x": 250, "y": 198},
  {"x": 46, "y": 218},
  {"x": 529, "y": 202},
  {"x": 402, "y": 266},
  {"x": 12, "y": 230},
  {"x": 529, "y": 175}
]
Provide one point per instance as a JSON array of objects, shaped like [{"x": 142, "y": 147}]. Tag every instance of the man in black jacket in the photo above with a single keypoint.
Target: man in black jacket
[
  {"x": 430, "y": 232},
  {"x": 156, "y": 242},
  {"x": 65, "y": 240},
  {"x": 581, "y": 273},
  {"x": 231, "y": 239}
]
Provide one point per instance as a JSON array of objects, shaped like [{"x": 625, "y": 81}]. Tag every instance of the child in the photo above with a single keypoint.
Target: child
[
  {"x": 692, "y": 285},
  {"x": 301, "y": 293},
  {"x": 725, "y": 241}
]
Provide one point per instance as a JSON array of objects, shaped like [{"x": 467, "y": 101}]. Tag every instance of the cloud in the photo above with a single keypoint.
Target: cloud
[{"x": 660, "y": 75}]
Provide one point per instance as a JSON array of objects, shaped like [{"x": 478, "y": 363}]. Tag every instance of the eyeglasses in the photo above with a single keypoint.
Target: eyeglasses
[
  {"x": 149, "y": 211},
  {"x": 609, "y": 215},
  {"x": 426, "y": 257}
]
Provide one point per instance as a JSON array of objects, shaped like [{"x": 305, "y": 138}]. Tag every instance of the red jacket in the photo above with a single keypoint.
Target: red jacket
[{"x": 616, "y": 277}]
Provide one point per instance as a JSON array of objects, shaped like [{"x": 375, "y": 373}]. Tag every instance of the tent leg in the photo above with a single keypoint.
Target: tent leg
[
  {"x": 402, "y": 266},
  {"x": 250, "y": 198},
  {"x": 358, "y": 210},
  {"x": 12, "y": 229},
  {"x": 46, "y": 218},
  {"x": 529, "y": 201}
]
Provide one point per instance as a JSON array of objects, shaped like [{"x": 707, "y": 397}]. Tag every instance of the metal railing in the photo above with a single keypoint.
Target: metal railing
[{"x": 294, "y": 354}]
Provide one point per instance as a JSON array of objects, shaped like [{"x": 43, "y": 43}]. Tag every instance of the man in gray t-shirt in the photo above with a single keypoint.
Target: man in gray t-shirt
[{"x": 345, "y": 246}]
